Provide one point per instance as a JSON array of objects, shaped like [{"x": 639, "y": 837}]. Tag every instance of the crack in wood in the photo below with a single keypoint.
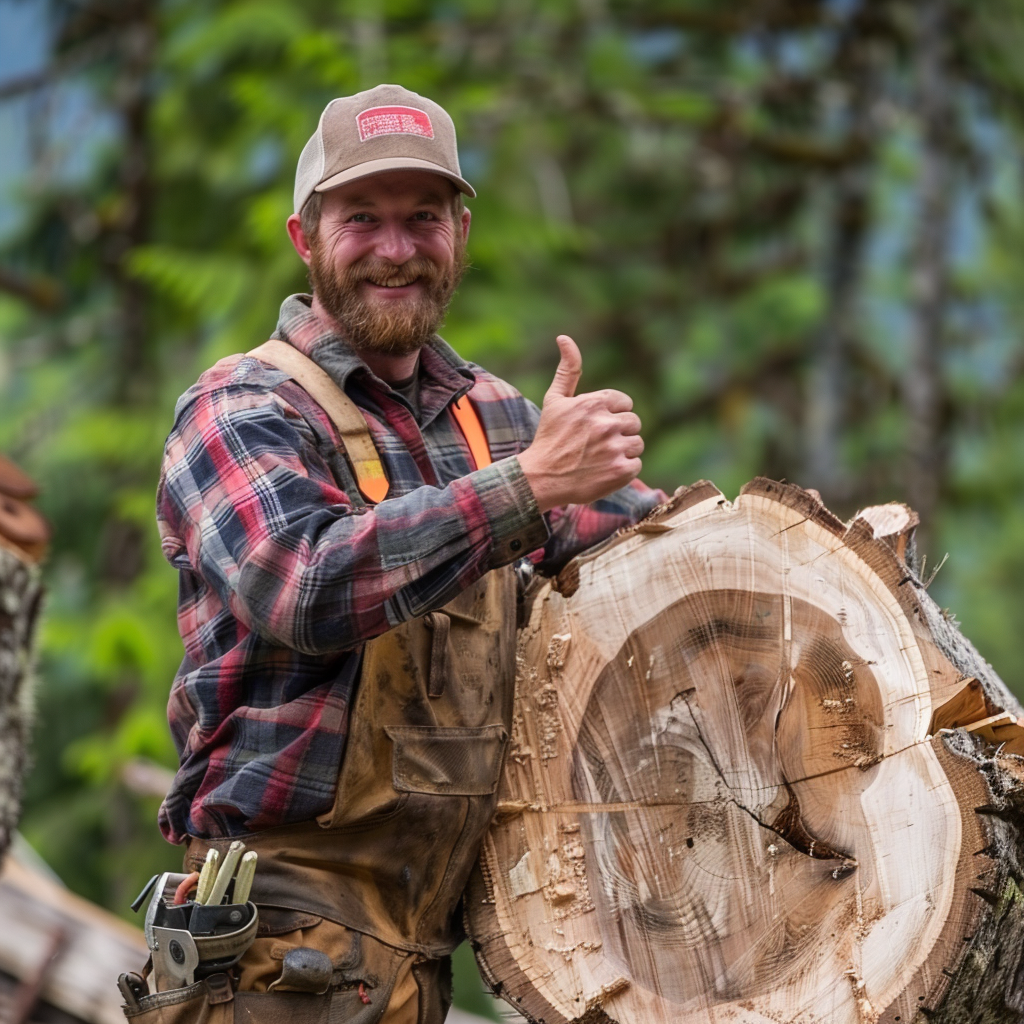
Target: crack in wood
[{"x": 788, "y": 824}]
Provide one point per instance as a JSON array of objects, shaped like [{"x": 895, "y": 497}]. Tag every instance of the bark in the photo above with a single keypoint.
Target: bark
[
  {"x": 23, "y": 539},
  {"x": 19, "y": 608},
  {"x": 757, "y": 775}
]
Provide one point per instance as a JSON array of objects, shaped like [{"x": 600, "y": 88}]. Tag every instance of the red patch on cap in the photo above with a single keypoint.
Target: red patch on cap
[{"x": 393, "y": 121}]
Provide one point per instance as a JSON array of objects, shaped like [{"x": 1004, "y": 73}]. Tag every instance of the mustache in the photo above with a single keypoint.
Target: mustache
[{"x": 386, "y": 274}]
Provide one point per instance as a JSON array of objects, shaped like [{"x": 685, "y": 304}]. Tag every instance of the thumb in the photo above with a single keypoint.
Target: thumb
[{"x": 570, "y": 366}]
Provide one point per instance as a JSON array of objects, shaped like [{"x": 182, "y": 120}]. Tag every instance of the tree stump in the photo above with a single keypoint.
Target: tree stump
[
  {"x": 23, "y": 539},
  {"x": 758, "y": 776}
]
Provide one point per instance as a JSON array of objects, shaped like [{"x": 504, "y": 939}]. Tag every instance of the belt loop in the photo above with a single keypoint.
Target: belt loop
[{"x": 440, "y": 626}]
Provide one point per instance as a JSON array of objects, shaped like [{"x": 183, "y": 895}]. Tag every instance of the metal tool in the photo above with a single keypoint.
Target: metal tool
[
  {"x": 173, "y": 967},
  {"x": 175, "y": 958}
]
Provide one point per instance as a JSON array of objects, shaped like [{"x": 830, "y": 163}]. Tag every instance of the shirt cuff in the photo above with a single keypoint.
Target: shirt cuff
[{"x": 517, "y": 526}]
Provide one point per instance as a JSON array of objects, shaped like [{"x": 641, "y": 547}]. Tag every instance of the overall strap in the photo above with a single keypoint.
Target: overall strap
[
  {"x": 350, "y": 422},
  {"x": 471, "y": 427},
  {"x": 344, "y": 413}
]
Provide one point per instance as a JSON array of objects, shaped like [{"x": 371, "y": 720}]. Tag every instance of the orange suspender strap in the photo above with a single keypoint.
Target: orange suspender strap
[
  {"x": 469, "y": 423},
  {"x": 344, "y": 413},
  {"x": 350, "y": 422}
]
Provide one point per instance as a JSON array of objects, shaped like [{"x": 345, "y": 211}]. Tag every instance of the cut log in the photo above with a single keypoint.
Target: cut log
[
  {"x": 756, "y": 776},
  {"x": 23, "y": 539}
]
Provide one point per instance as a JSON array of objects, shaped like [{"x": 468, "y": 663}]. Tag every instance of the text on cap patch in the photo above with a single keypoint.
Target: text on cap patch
[{"x": 393, "y": 121}]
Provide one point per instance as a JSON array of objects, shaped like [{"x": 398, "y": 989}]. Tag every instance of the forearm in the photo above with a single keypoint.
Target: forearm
[{"x": 337, "y": 577}]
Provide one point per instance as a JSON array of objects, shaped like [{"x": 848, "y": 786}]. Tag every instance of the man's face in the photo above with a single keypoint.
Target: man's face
[{"x": 387, "y": 258}]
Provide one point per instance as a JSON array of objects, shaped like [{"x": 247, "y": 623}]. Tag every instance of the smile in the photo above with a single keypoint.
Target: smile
[{"x": 393, "y": 284}]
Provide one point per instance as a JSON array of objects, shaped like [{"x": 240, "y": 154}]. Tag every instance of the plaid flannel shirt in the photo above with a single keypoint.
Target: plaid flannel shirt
[{"x": 285, "y": 573}]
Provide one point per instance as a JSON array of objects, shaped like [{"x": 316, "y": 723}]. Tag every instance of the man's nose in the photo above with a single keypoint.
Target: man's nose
[{"x": 394, "y": 243}]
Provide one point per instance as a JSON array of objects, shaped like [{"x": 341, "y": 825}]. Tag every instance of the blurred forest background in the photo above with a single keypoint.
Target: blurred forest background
[{"x": 792, "y": 230}]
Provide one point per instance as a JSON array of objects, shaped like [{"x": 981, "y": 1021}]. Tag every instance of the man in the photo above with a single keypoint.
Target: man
[{"x": 345, "y": 507}]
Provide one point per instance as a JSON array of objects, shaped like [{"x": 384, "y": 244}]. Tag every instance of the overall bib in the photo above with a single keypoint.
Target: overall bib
[{"x": 375, "y": 883}]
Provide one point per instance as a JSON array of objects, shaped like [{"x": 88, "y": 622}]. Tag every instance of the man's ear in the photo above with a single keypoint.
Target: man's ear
[
  {"x": 466, "y": 218},
  {"x": 298, "y": 237}
]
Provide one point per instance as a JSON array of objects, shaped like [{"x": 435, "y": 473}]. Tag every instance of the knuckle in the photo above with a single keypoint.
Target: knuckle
[{"x": 617, "y": 400}]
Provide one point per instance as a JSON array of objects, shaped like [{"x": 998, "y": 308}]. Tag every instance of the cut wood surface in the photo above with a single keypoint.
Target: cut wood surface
[{"x": 756, "y": 776}]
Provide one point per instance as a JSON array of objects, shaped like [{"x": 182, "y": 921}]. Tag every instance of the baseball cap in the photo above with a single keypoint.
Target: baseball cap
[{"x": 383, "y": 129}]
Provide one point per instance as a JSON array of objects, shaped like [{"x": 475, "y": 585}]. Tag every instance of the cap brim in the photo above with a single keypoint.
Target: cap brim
[{"x": 393, "y": 163}]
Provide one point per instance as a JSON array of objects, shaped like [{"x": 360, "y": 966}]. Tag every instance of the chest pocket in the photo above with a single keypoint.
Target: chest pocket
[{"x": 446, "y": 761}]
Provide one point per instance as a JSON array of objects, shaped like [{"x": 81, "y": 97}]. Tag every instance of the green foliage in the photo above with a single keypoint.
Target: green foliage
[{"x": 661, "y": 180}]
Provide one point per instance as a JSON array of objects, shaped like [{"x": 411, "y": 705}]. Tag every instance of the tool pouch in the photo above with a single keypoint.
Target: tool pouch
[{"x": 190, "y": 941}]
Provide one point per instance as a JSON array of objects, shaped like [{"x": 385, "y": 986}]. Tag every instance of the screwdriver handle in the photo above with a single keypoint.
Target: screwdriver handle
[
  {"x": 207, "y": 876},
  {"x": 243, "y": 880}
]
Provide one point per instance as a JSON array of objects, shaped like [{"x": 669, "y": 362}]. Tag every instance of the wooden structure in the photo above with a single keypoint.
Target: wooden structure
[
  {"x": 60, "y": 955},
  {"x": 757, "y": 776}
]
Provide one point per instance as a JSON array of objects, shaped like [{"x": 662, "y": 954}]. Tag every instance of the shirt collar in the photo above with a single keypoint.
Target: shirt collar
[{"x": 444, "y": 374}]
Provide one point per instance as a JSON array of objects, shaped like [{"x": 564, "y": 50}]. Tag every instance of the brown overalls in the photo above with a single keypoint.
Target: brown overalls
[{"x": 376, "y": 882}]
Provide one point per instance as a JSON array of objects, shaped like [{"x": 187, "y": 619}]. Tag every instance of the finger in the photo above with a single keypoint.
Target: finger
[
  {"x": 612, "y": 400},
  {"x": 570, "y": 366},
  {"x": 633, "y": 447},
  {"x": 626, "y": 423}
]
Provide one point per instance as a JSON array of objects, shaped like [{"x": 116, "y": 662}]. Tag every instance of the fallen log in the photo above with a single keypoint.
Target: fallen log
[{"x": 756, "y": 776}]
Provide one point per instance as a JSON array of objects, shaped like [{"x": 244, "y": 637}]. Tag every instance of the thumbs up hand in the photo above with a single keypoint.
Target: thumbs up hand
[{"x": 586, "y": 446}]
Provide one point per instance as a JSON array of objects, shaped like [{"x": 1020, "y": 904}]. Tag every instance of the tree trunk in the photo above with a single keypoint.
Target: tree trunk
[
  {"x": 23, "y": 537},
  {"x": 861, "y": 57},
  {"x": 756, "y": 776},
  {"x": 922, "y": 386}
]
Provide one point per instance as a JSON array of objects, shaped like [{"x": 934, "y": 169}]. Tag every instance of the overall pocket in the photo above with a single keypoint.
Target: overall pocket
[{"x": 447, "y": 761}]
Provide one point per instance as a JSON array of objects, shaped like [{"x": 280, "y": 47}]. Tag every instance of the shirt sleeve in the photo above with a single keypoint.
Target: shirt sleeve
[
  {"x": 246, "y": 500},
  {"x": 574, "y": 528}
]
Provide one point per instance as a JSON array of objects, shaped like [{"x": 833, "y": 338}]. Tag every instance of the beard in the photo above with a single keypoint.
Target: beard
[{"x": 395, "y": 327}]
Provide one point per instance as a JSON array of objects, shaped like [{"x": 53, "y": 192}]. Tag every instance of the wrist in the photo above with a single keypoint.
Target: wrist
[{"x": 539, "y": 482}]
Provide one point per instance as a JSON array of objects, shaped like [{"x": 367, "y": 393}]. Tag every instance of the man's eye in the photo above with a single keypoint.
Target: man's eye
[
  {"x": 361, "y": 218},
  {"x": 423, "y": 215}
]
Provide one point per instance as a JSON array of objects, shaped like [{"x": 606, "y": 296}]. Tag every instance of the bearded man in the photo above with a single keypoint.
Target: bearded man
[{"x": 347, "y": 506}]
